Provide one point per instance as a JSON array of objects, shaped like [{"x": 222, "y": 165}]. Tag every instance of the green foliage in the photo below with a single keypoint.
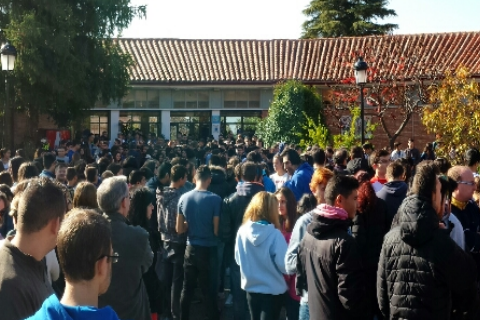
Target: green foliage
[
  {"x": 67, "y": 59},
  {"x": 292, "y": 102},
  {"x": 317, "y": 133},
  {"x": 351, "y": 138},
  {"x": 340, "y": 18}
]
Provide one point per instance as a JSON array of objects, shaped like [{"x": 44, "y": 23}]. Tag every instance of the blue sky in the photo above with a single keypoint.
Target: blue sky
[{"x": 282, "y": 19}]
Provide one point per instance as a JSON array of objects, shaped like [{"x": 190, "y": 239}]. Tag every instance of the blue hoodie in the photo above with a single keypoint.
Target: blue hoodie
[
  {"x": 300, "y": 182},
  {"x": 260, "y": 252},
  {"x": 52, "y": 309}
]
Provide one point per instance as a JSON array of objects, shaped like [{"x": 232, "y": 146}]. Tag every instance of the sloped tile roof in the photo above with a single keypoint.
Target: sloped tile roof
[{"x": 175, "y": 61}]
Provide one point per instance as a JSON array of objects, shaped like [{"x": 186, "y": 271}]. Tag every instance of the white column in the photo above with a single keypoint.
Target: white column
[
  {"x": 216, "y": 123},
  {"x": 114, "y": 119},
  {"x": 166, "y": 124}
]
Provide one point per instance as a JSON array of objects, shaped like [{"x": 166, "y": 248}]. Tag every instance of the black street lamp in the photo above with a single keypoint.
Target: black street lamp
[
  {"x": 361, "y": 68},
  {"x": 8, "y": 55}
]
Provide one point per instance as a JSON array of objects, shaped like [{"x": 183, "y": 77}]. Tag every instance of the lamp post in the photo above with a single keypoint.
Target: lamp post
[
  {"x": 8, "y": 55},
  {"x": 361, "y": 68}
]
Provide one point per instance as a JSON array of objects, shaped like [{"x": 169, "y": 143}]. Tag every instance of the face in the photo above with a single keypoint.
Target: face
[
  {"x": 7, "y": 154},
  {"x": 61, "y": 152},
  {"x": 118, "y": 156},
  {"x": 2, "y": 212},
  {"x": 277, "y": 164},
  {"x": 240, "y": 151},
  {"x": 287, "y": 165},
  {"x": 411, "y": 144},
  {"x": 282, "y": 204},
  {"x": 348, "y": 204},
  {"x": 319, "y": 192},
  {"x": 149, "y": 211},
  {"x": 466, "y": 186},
  {"x": 437, "y": 200},
  {"x": 61, "y": 174},
  {"x": 381, "y": 166}
]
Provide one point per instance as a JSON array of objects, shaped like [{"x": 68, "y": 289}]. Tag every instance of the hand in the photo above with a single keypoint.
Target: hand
[{"x": 441, "y": 225}]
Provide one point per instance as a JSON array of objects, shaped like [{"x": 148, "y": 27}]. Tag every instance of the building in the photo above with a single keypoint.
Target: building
[{"x": 208, "y": 87}]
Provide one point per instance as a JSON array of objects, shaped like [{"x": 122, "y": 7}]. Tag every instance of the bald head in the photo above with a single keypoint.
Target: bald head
[{"x": 466, "y": 184}]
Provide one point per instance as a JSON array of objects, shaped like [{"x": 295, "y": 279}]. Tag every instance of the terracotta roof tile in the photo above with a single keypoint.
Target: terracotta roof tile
[{"x": 175, "y": 61}]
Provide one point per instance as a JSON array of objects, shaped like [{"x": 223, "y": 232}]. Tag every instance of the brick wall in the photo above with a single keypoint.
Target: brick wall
[{"x": 21, "y": 127}]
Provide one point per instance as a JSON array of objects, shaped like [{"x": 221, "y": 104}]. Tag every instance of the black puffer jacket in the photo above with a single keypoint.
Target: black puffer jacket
[
  {"x": 329, "y": 267},
  {"x": 421, "y": 269},
  {"x": 219, "y": 184}
]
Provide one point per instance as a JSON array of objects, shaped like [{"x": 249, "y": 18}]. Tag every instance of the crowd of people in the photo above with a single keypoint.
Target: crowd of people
[{"x": 142, "y": 228}]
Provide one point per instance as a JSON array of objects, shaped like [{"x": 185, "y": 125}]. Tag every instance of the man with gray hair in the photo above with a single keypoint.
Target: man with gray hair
[{"x": 127, "y": 294}]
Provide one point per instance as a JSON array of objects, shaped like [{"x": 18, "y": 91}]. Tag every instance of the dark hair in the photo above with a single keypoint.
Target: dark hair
[
  {"x": 83, "y": 239},
  {"x": 339, "y": 185},
  {"x": 340, "y": 156},
  {"x": 472, "y": 157},
  {"x": 140, "y": 199},
  {"x": 319, "y": 157},
  {"x": 6, "y": 178},
  {"x": 85, "y": 196},
  {"x": 115, "y": 168},
  {"x": 376, "y": 155},
  {"x": 150, "y": 164},
  {"x": 130, "y": 162},
  {"x": 48, "y": 160},
  {"x": 7, "y": 191},
  {"x": 395, "y": 170},
  {"x": 178, "y": 172},
  {"x": 292, "y": 156},
  {"x": 254, "y": 157},
  {"x": 163, "y": 170},
  {"x": 15, "y": 164},
  {"x": 3, "y": 152},
  {"x": 41, "y": 202},
  {"x": 425, "y": 179},
  {"x": 27, "y": 170},
  {"x": 135, "y": 177},
  {"x": 147, "y": 173},
  {"x": 443, "y": 165},
  {"x": 307, "y": 203},
  {"x": 91, "y": 173},
  {"x": 367, "y": 199},
  {"x": 249, "y": 171},
  {"x": 103, "y": 164},
  {"x": 203, "y": 173},
  {"x": 356, "y": 152},
  {"x": 448, "y": 186},
  {"x": 71, "y": 173},
  {"x": 289, "y": 222},
  {"x": 22, "y": 153},
  {"x": 217, "y": 160}
]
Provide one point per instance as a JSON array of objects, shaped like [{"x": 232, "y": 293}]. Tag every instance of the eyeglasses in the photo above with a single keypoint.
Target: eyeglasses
[
  {"x": 468, "y": 183},
  {"x": 114, "y": 258}
]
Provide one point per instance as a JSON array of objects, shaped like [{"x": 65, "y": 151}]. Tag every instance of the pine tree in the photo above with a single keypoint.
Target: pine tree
[{"x": 340, "y": 18}]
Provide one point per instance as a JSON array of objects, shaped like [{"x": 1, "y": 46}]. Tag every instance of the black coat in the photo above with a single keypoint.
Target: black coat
[
  {"x": 393, "y": 193},
  {"x": 219, "y": 184},
  {"x": 421, "y": 268},
  {"x": 329, "y": 267}
]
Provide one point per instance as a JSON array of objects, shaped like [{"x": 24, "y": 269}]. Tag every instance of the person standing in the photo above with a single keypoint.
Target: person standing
[
  {"x": 281, "y": 175},
  {"x": 329, "y": 262},
  {"x": 411, "y": 152},
  {"x": 127, "y": 294},
  {"x": 397, "y": 153},
  {"x": 301, "y": 173},
  {"x": 379, "y": 161},
  {"x": 23, "y": 273},
  {"x": 198, "y": 216},
  {"x": 85, "y": 253},
  {"x": 421, "y": 270}
]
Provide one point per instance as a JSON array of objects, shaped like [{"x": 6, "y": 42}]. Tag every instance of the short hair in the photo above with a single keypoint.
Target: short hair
[
  {"x": 115, "y": 168},
  {"x": 83, "y": 239},
  {"x": 339, "y": 185},
  {"x": 448, "y": 186},
  {"x": 340, "y": 156},
  {"x": 147, "y": 173},
  {"x": 27, "y": 170},
  {"x": 455, "y": 172},
  {"x": 356, "y": 152},
  {"x": 135, "y": 177},
  {"x": 443, "y": 165},
  {"x": 319, "y": 157},
  {"x": 425, "y": 179},
  {"x": 85, "y": 196},
  {"x": 249, "y": 171},
  {"x": 107, "y": 174},
  {"x": 178, "y": 172},
  {"x": 395, "y": 170},
  {"x": 292, "y": 156},
  {"x": 376, "y": 155},
  {"x": 163, "y": 170},
  {"x": 103, "y": 164},
  {"x": 71, "y": 173},
  {"x": 61, "y": 165},
  {"x": 49, "y": 159},
  {"x": 6, "y": 178},
  {"x": 254, "y": 157},
  {"x": 111, "y": 193},
  {"x": 203, "y": 173},
  {"x": 91, "y": 173},
  {"x": 472, "y": 157},
  {"x": 41, "y": 202},
  {"x": 320, "y": 176},
  {"x": 15, "y": 164}
]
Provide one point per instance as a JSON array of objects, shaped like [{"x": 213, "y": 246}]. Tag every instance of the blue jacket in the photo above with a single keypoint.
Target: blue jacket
[
  {"x": 46, "y": 173},
  {"x": 260, "y": 252},
  {"x": 300, "y": 182},
  {"x": 52, "y": 309}
]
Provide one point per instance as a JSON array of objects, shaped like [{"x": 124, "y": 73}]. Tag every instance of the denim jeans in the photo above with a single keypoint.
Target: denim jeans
[
  {"x": 197, "y": 267},
  {"x": 239, "y": 297},
  {"x": 304, "y": 312},
  {"x": 171, "y": 277},
  {"x": 264, "y": 306}
]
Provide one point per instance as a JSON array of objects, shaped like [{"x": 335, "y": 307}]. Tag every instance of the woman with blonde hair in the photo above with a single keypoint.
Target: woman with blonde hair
[
  {"x": 260, "y": 252},
  {"x": 85, "y": 196}
]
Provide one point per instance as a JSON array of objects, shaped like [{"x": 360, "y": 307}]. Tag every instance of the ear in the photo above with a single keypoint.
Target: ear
[
  {"x": 338, "y": 201},
  {"x": 101, "y": 267},
  {"x": 55, "y": 225}
]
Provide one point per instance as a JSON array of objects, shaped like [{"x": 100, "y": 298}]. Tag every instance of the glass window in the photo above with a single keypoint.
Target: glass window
[
  {"x": 145, "y": 121},
  {"x": 153, "y": 99},
  {"x": 99, "y": 122},
  {"x": 191, "y": 99},
  {"x": 179, "y": 99},
  {"x": 129, "y": 100},
  {"x": 242, "y": 99},
  {"x": 254, "y": 99},
  {"x": 236, "y": 122},
  {"x": 203, "y": 100},
  {"x": 196, "y": 124},
  {"x": 141, "y": 99},
  {"x": 229, "y": 100}
]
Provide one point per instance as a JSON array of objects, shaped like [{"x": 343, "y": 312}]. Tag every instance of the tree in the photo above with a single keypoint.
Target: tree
[
  {"x": 292, "y": 100},
  {"x": 67, "y": 59},
  {"x": 454, "y": 113},
  {"x": 340, "y": 18}
]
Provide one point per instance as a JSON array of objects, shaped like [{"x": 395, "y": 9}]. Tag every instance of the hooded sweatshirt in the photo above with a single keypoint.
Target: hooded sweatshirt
[
  {"x": 260, "y": 252},
  {"x": 300, "y": 182},
  {"x": 393, "y": 193},
  {"x": 52, "y": 309}
]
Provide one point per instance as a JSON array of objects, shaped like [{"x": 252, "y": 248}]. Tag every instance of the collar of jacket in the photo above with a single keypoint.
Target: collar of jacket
[
  {"x": 117, "y": 216},
  {"x": 459, "y": 204}
]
